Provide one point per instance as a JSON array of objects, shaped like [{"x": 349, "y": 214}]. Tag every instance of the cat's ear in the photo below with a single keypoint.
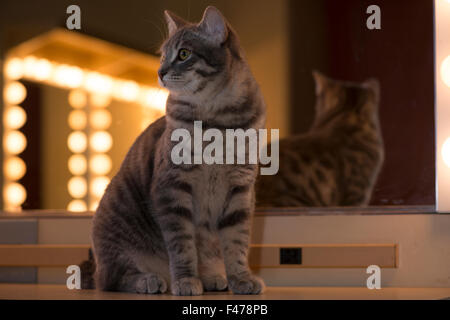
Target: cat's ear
[
  {"x": 374, "y": 86},
  {"x": 214, "y": 25},
  {"x": 321, "y": 81},
  {"x": 174, "y": 22}
]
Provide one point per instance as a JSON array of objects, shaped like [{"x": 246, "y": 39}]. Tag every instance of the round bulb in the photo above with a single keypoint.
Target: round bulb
[
  {"x": 100, "y": 119},
  {"x": 14, "y": 69},
  {"x": 100, "y": 100},
  {"x": 77, "y": 187},
  {"x": 14, "y": 168},
  {"x": 14, "y": 194},
  {"x": 42, "y": 69},
  {"x": 445, "y": 71},
  {"x": 98, "y": 186},
  {"x": 77, "y": 206},
  {"x": 15, "y": 142},
  {"x": 100, "y": 164},
  {"x": 101, "y": 141},
  {"x": 77, "y": 120},
  {"x": 77, "y": 98},
  {"x": 98, "y": 83},
  {"x": 14, "y": 92},
  {"x": 446, "y": 152},
  {"x": 77, "y": 164},
  {"x": 77, "y": 142},
  {"x": 15, "y": 117}
]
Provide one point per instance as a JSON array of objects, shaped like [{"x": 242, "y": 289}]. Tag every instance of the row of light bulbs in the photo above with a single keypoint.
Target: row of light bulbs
[
  {"x": 89, "y": 134},
  {"x": 14, "y": 143},
  {"x": 97, "y": 141},
  {"x": 103, "y": 86}
]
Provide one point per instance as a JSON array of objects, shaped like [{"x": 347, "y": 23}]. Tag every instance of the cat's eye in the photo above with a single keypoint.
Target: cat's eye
[{"x": 183, "y": 54}]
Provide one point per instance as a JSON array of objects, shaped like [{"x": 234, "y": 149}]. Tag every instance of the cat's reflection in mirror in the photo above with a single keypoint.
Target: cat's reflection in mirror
[{"x": 337, "y": 161}]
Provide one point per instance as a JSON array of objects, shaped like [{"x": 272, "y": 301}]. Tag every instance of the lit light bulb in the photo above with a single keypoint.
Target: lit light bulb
[
  {"x": 14, "y": 194},
  {"x": 98, "y": 83},
  {"x": 154, "y": 98},
  {"x": 100, "y": 119},
  {"x": 101, "y": 141},
  {"x": 29, "y": 66},
  {"x": 77, "y": 120},
  {"x": 42, "y": 69},
  {"x": 126, "y": 90},
  {"x": 14, "y": 68},
  {"x": 77, "y": 142},
  {"x": 77, "y": 98},
  {"x": 100, "y": 100},
  {"x": 446, "y": 152},
  {"x": 77, "y": 187},
  {"x": 15, "y": 142},
  {"x": 15, "y": 117},
  {"x": 445, "y": 71},
  {"x": 68, "y": 76},
  {"x": 77, "y": 206},
  {"x": 14, "y": 168},
  {"x": 94, "y": 205},
  {"x": 14, "y": 92},
  {"x": 100, "y": 164},
  {"x": 77, "y": 164},
  {"x": 98, "y": 186}
]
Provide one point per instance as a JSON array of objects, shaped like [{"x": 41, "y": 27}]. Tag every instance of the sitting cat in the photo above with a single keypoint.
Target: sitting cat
[
  {"x": 337, "y": 161},
  {"x": 186, "y": 227}
]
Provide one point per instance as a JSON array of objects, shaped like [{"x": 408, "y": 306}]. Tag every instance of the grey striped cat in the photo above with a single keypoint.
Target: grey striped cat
[
  {"x": 337, "y": 161},
  {"x": 185, "y": 227}
]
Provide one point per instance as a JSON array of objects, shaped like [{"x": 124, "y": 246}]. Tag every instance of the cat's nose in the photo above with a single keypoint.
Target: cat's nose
[{"x": 162, "y": 73}]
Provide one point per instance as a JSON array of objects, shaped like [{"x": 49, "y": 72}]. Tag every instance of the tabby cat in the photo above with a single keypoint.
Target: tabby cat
[
  {"x": 185, "y": 227},
  {"x": 337, "y": 161}
]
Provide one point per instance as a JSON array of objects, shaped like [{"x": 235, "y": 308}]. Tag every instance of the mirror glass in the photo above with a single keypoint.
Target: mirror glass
[{"x": 350, "y": 89}]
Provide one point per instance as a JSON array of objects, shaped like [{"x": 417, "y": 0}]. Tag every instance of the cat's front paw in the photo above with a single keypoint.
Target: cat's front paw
[
  {"x": 214, "y": 283},
  {"x": 151, "y": 283},
  {"x": 248, "y": 284},
  {"x": 187, "y": 287}
]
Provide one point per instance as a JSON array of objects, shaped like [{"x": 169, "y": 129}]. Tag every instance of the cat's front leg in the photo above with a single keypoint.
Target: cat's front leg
[
  {"x": 175, "y": 218},
  {"x": 234, "y": 232},
  {"x": 211, "y": 267}
]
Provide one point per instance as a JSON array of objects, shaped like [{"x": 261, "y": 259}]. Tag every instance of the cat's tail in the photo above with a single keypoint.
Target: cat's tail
[{"x": 87, "y": 268}]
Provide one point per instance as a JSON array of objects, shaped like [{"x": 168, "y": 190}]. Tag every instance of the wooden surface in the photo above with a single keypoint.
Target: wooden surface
[{"x": 38, "y": 292}]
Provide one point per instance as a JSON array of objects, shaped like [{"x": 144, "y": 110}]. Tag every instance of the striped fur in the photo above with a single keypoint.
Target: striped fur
[
  {"x": 185, "y": 227},
  {"x": 337, "y": 162}
]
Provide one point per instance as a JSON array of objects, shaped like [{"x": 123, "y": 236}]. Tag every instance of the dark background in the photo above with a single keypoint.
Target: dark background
[{"x": 327, "y": 35}]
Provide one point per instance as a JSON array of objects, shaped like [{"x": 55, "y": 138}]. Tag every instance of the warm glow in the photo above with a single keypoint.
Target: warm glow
[
  {"x": 100, "y": 119},
  {"x": 154, "y": 98},
  {"x": 77, "y": 187},
  {"x": 446, "y": 152},
  {"x": 100, "y": 164},
  {"x": 126, "y": 90},
  {"x": 77, "y": 164},
  {"x": 14, "y": 68},
  {"x": 96, "y": 82},
  {"x": 101, "y": 141},
  {"x": 98, "y": 186},
  {"x": 68, "y": 76},
  {"x": 94, "y": 205},
  {"x": 14, "y": 92},
  {"x": 77, "y": 120},
  {"x": 14, "y": 194},
  {"x": 14, "y": 168},
  {"x": 77, "y": 142},
  {"x": 15, "y": 117},
  {"x": 77, "y": 206},
  {"x": 42, "y": 69},
  {"x": 15, "y": 142},
  {"x": 100, "y": 100},
  {"x": 445, "y": 71},
  {"x": 77, "y": 98}
]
